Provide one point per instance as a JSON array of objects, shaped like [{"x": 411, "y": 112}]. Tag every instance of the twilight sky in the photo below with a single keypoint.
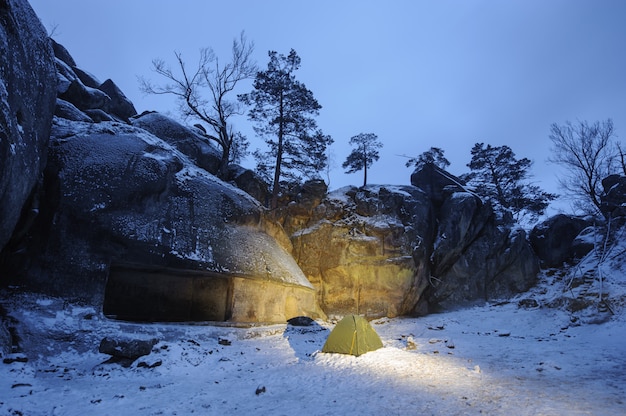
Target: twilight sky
[{"x": 416, "y": 73}]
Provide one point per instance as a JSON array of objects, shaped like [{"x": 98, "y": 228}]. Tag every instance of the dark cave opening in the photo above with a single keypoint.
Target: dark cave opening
[{"x": 146, "y": 294}]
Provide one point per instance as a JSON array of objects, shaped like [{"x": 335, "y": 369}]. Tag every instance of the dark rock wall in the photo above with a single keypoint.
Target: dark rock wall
[{"x": 27, "y": 96}]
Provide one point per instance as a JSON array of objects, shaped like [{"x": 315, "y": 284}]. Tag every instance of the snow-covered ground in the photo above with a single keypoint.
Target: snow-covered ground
[
  {"x": 512, "y": 358},
  {"x": 487, "y": 359}
]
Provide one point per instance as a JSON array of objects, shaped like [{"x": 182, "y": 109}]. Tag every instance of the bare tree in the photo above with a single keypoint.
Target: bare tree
[
  {"x": 587, "y": 152},
  {"x": 203, "y": 93}
]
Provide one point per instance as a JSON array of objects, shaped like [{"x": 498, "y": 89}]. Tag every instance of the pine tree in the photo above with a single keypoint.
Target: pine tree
[
  {"x": 365, "y": 153},
  {"x": 434, "y": 155},
  {"x": 501, "y": 179},
  {"x": 283, "y": 111}
]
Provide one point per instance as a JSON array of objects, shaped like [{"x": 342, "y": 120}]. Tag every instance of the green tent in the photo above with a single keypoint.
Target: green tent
[{"x": 352, "y": 335}]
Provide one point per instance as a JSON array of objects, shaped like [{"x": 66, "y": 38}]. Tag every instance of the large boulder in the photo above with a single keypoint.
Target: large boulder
[
  {"x": 188, "y": 140},
  {"x": 497, "y": 265},
  {"x": 461, "y": 218},
  {"x": 436, "y": 182},
  {"x": 473, "y": 258},
  {"x": 552, "y": 239},
  {"x": 393, "y": 250},
  {"x": 97, "y": 101},
  {"x": 249, "y": 181},
  {"x": 613, "y": 201},
  {"x": 365, "y": 250},
  {"x": 27, "y": 98},
  {"x": 131, "y": 224},
  {"x": 119, "y": 105}
]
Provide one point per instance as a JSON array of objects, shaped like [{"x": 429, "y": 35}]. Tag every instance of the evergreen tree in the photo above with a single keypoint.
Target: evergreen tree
[
  {"x": 283, "y": 111},
  {"x": 434, "y": 155},
  {"x": 365, "y": 153},
  {"x": 501, "y": 179}
]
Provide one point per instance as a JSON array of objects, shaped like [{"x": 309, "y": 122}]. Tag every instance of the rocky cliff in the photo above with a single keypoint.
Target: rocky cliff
[
  {"x": 27, "y": 94},
  {"x": 396, "y": 250},
  {"x": 132, "y": 220}
]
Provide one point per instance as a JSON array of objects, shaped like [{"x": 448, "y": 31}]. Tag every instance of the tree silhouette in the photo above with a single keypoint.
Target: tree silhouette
[
  {"x": 588, "y": 155},
  {"x": 502, "y": 179},
  {"x": 283, "y": 110},
  {"x": 365, "y": 153},
  {"x": 203, "y": 94},
  {"x": 433, "y": 155}
]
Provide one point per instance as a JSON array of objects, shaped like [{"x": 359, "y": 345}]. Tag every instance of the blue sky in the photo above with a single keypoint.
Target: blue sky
[{"x": 416, "y": 73}]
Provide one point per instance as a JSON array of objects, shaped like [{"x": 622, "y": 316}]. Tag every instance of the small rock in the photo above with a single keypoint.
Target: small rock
[
  {"x": 223, "y": 341},
  {"x": 15, "y": 359},
  {"x": 144, "y": 364},
  {"x": 126, "y": 349},
  {"x": 259, "y": 390},
  {"x": 528, "y": 303},
  {"x": 300, "y": 321}
]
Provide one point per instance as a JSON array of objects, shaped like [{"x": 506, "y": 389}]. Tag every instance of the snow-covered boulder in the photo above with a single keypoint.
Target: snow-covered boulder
[
  {"x": 249, "y": 181},
  {"x": 614, "y": 197},
  {"x": 131, "y": 224},
  {"x": 436, "y": 182},
  {"x": 552, "y": 239},
  {"x": 27, "y": 96},
  {"x": 99, "y": 101},
  {"x": 188, "y": 140}
]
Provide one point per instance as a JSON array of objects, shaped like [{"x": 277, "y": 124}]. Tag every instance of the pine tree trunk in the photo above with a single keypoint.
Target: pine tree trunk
[
  {"x": 364, "y": 174},
  {"x": 279, "y": 155}
]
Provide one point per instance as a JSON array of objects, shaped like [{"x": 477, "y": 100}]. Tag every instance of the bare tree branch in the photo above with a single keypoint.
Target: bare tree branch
[
  {"x": 587, "y": 152},
  {"x": 203, "y": 91}
]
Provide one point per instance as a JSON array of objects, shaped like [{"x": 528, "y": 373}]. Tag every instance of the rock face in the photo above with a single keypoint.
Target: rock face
[
  {"x": 82, "y": 96},
  {"x": 130, "y": 223},
  {"x": 187, "y": 140},
  {"x": 472, "y": 258},
  {"x": 552, "y": 239},
  {"x": 132, "y": 220},
  {"x": 27, "y": 94},
  {"x": 364, "y": 249},
  {"x": 614, "y": 198},
  {"x": 393, "y": 250}
]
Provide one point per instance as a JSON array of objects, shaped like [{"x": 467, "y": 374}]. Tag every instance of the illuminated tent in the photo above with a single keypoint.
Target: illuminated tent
[{"x": 352, "y": 335}]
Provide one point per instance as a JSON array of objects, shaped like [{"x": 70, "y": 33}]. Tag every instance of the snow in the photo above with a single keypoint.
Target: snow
[
  {"x": 485, "y": 359},
  {"x": 525, "y": 356}
]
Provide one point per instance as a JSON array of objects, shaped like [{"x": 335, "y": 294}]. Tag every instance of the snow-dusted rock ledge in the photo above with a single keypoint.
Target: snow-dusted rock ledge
[{"x": 120, "y": 200}]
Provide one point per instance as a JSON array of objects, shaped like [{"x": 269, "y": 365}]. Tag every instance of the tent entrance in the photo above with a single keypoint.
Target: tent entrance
[{"x": 136, "y": 293}]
